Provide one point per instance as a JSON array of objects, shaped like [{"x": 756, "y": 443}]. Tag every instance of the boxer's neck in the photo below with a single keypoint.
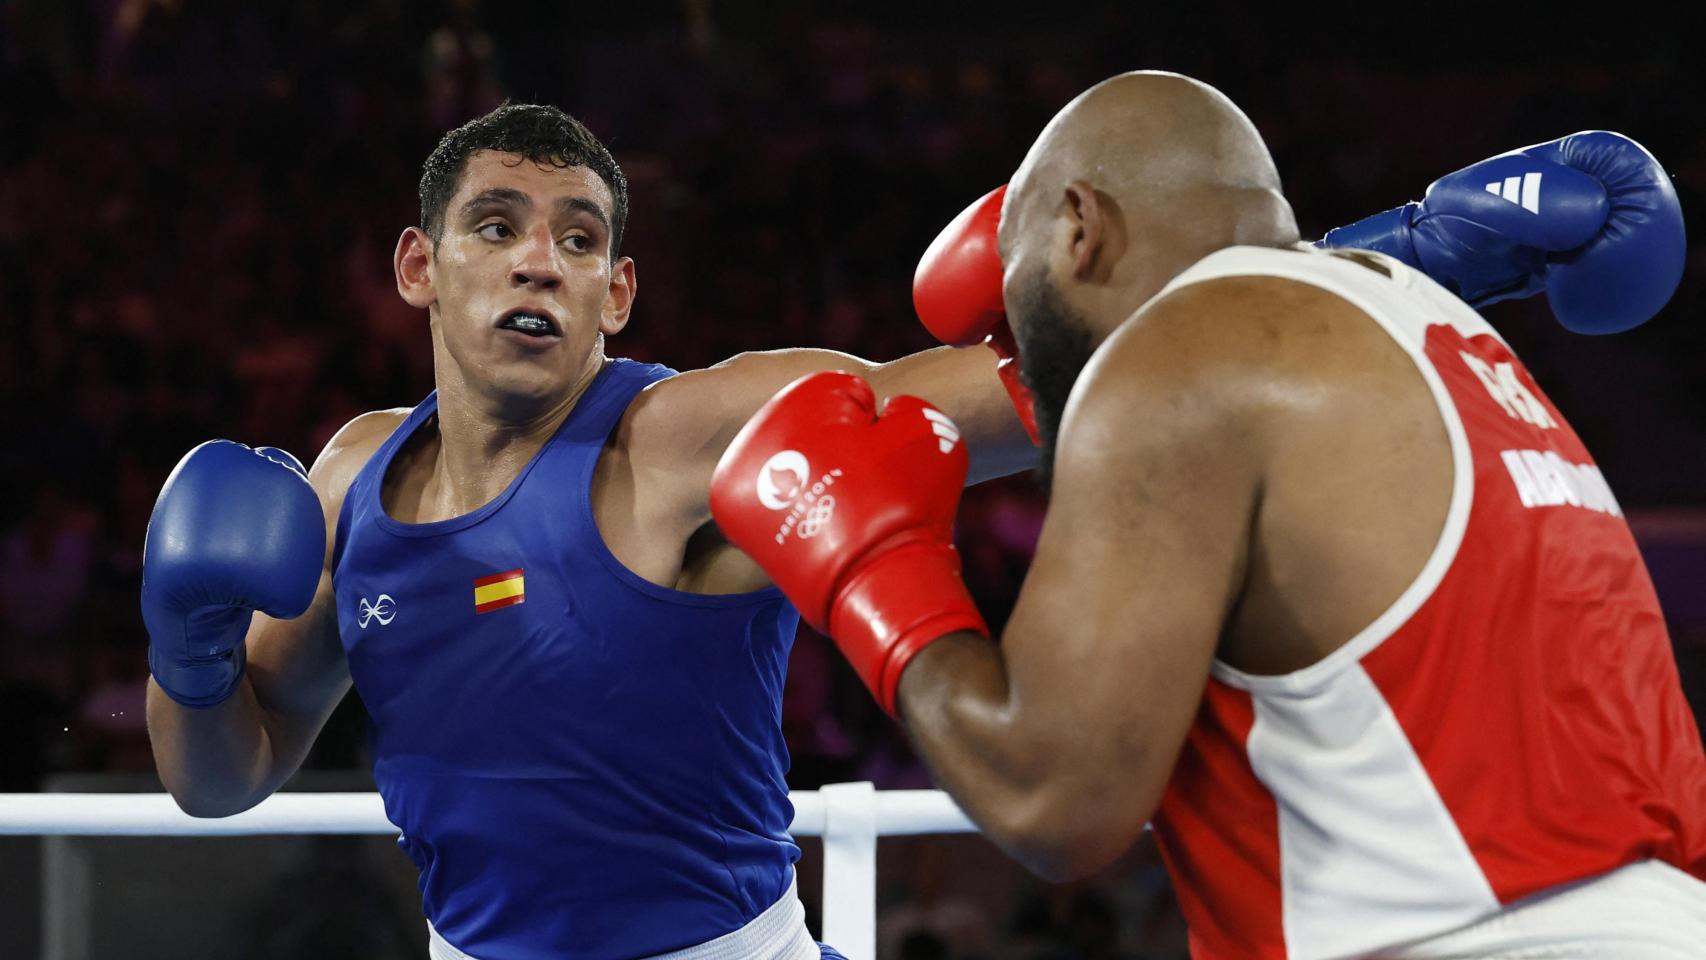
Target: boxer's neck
[{"x": 484, "y": 442}]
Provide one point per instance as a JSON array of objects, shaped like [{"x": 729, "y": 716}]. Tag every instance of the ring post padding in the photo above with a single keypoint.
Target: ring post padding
[
  {"x": 850, "y": 868},
  {"x": 808, "y": 813}
]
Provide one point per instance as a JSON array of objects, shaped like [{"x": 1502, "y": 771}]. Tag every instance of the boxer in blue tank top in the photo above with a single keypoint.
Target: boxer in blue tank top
[
  {"x": 574, "y": 682},
  {"x": 517, "y": 674}
]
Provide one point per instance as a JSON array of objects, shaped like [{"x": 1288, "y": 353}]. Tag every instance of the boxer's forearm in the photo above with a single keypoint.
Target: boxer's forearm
[
  {"x": 1014, "y": 780},
  {"x": 215, "y": 761},
  {"x": 962, "y": 382}
]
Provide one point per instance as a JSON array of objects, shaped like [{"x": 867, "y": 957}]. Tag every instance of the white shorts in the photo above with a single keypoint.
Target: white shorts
[
  {"x": 1644, "y": 911},
  {"x": 779, "y": 933}
]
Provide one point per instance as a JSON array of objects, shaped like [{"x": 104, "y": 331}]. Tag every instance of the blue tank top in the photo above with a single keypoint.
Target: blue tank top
[{"x": 583, "y": 764}]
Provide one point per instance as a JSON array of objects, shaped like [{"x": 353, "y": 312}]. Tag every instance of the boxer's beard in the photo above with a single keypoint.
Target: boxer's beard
[{"x": 1054, "y": 345}]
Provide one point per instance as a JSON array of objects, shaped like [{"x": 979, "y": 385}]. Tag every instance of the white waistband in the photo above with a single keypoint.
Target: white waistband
[
  {"x": 779, "y": 933},
  {"x": 1643, "y": 911}
]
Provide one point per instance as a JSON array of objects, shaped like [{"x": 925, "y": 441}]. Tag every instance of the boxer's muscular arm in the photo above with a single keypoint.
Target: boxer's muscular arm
[
  {"x": 701, "y": 411},
  {"x": 1059, "y": 741},
  {"x": 223, "y": 760}
]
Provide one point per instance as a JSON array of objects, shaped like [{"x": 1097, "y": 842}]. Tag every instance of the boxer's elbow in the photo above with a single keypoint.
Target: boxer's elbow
[
  {"x": 214, "y": 763},
  {"x": 1063, "y": 833},
  {"x": 202, "y": 793},
  {"x": 204, "y": 803},
  {"x": 1062, "y": 860},
  {"x": 203, "y": 808}
]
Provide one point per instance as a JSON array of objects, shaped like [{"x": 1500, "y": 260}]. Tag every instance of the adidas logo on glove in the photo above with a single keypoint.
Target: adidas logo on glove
[{"x": 1524, "y": 191}]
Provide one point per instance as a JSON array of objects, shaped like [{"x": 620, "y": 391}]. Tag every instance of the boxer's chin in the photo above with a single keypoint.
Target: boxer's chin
[{"x": 1054, "y": 345}]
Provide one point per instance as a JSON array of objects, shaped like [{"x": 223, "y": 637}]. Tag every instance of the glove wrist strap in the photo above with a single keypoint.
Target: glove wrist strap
[
  {"x": 1386, "y": 232},
  {"x": 198, "y": 682},
  {"x": 895, "y": 606}
]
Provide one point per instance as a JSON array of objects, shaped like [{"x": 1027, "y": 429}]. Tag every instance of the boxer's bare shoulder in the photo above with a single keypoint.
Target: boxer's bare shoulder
[
  {"x": 1290, "y": 358},
  {"x": 1249, "y": 347},
  {"x": 348, "y": 451},
  {"x": 1263, "y": 326},
  {"x": 1333, "y": 420}
]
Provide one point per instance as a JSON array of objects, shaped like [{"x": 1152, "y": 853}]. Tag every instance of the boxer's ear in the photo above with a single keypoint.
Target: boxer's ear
[
  {"x": 411, "y": 264},
  {"x": 620, "y": 298},
  {"x": 1095, "y": 235}
]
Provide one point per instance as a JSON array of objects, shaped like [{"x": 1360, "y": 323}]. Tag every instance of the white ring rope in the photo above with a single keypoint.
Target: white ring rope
[
  {"x": 848, "y": 816},
  {"x": 898, "y": 813}
]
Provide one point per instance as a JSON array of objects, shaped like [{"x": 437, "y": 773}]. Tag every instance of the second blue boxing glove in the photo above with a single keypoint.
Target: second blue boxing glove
[{"x": 1590, "y": 218}]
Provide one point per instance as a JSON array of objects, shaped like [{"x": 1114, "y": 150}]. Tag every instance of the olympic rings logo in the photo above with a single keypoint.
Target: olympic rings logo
[{"x": 816, "y": 518}]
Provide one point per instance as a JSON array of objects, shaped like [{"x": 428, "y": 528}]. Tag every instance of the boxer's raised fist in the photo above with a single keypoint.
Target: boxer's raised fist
[{"x": 235, "y": 530}]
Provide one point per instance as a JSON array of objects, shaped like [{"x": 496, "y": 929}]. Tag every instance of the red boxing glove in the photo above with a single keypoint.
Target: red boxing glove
[
  {"x": 852, "y": 515},
  {"x": 957, "y": 293}
]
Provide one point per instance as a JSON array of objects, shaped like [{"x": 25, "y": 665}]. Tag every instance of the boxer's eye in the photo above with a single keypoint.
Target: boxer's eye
[
  {"x": 495, "y": 231},
  {"x": 578, "y": 242}
]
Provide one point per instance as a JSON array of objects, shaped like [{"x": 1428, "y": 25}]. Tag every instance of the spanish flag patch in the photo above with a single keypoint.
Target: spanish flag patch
[{"x": 498, "y": 591}]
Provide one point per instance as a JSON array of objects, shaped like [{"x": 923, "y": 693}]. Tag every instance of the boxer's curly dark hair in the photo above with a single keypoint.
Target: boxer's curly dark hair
[{"x": 539, "y": 132}]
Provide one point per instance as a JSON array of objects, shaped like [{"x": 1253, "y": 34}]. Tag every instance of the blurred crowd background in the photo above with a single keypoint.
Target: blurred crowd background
[{"x": 199, "y": 201}]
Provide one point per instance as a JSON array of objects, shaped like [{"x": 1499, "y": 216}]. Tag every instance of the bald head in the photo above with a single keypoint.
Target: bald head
[
  {"x": 1174, "y": 171},
  {"x": 1132, "y": 182},
  {"x": 1143, "y": 135}
]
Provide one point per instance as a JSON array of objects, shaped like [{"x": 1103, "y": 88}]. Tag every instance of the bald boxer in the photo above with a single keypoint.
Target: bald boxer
[{"x": 1328, "y": 588}]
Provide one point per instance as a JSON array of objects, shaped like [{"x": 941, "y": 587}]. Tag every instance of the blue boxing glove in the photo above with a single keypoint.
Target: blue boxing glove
[
  {"x": 1591, "y": 218},
  {"x": 235, "y": 530}
]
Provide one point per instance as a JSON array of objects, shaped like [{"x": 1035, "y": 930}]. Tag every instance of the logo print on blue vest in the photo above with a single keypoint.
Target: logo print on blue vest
[{"x": 383, "y": 610}]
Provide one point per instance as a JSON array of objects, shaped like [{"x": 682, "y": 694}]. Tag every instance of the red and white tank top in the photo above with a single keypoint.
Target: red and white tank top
[{"x": 1513, "y": 722}]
